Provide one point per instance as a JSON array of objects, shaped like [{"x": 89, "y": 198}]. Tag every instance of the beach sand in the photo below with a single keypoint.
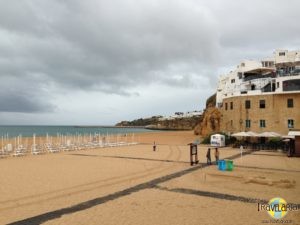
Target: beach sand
[{"x": 135, "y": 185}]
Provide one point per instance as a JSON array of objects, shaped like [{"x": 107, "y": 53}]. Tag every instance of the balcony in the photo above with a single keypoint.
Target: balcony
[{"x": 258, "y": 76}]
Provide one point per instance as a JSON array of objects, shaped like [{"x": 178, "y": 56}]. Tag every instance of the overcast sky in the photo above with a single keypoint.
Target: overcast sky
[{"x": 92, "y": 62}]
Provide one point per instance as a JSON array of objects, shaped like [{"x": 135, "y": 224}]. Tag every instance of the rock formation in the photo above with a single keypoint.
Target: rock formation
[
  {"x": 158, "y": 123},
  {"x": 210, "y": 122},
  {"x": 187, "y": 123}
]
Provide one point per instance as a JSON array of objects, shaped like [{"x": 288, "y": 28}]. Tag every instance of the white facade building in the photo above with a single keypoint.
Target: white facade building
[{"x": 277, "y": 74}]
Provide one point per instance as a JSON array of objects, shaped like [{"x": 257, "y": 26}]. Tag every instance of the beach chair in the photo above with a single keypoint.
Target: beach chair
[
  {"x": 20, "y": 150},
  {"x": 36, "y": 150},
  {"x": 3, "y": 152},
  {"x": 51, "y": 148}
]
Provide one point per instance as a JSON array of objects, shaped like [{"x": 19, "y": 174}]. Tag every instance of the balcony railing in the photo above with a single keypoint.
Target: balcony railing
[{"x": 259, "y": 76}]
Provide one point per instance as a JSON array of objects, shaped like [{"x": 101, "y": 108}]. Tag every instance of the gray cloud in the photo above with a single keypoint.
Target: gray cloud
[
  {"x": 25, "y": 95},
  {"x": 113, "y": 47}
]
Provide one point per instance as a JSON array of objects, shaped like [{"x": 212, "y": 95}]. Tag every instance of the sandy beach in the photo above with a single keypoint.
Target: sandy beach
[{"x": 135, "y": 185}]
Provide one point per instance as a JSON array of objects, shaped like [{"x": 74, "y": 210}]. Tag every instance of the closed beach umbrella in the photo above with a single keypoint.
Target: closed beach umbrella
[{"x": 33, "y": 139}]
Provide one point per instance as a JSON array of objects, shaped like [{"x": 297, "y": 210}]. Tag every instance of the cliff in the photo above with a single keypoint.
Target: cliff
[
  {"x": 139, "y": 122},
  {"x": 210, "y": 122},
  {"x": 158, "y": 123},
  {"x": 185, "y": 123}
]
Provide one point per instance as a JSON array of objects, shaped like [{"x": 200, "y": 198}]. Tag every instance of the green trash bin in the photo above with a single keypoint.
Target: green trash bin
[{"x": 229, "y": 165}]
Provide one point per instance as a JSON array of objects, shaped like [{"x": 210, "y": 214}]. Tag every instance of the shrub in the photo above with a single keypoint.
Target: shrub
[{"x": 206, "y": 140}]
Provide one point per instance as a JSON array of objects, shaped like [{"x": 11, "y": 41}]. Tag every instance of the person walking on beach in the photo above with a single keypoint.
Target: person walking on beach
[
  {"x": 208, "y": 157},
  {"x": 217, "y": 154},
  {"x": 154, "y": 146},
  {"x": 241, "y": 149}
]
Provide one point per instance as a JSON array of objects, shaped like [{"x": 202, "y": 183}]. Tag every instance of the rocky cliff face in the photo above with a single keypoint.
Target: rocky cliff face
[
  {"x": 188, "y": 123},
  {"x": 210, "y": 122},
  {"x": 156, "y": 123},
  {"x": 140, "y": 122}
]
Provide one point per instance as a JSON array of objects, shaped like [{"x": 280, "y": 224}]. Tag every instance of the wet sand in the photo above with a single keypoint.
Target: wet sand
[{"x": 134, "y": 185}]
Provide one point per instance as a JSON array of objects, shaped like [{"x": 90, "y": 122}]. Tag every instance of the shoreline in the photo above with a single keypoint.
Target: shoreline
[{"x": 100, "y": 126}]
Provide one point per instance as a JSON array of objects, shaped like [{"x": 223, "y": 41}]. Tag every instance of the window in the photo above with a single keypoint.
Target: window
[
  {"x": 281, "y": 53},
  {"x": 291, "y": 85},
  {"x": 231, "y": 105},
  {"x": 242, "y": 64},
  {"x": 232, "y": 81},
  {"x": 226, "y": 106},
  {"x": 231, "y": 122},
  {"x": 262, "y": 123},
  {"x": 277, "y": 85},
  {"x": 248, "y": 123},
  {"x": 290, "y": 103},
  {"x": 247, "y": 104},
  {"x": 290, "y": 123},
  {"x": 262, "y": 104}
]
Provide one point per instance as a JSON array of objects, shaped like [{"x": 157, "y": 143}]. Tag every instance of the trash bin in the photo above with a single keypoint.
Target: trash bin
[
  {"x": 222, "y": 165},
  {"x": 229, "y": 165}
]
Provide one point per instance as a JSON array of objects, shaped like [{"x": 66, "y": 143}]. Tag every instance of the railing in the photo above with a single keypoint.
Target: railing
[
  {"x": 286, "y": 73},
  {"x": 259, "y": 76}
]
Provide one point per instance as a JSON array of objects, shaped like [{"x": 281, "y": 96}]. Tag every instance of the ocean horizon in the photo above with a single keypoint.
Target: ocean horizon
[{"x": 53, "y": 130}]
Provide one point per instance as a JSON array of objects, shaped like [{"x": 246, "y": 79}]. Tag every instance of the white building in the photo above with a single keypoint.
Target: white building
[{"x": 277, "y": 74}]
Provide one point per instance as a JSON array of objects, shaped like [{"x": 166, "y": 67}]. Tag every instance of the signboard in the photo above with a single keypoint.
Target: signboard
[
  {"x": 217, "y": 140},
  {"x": 193, "y": 154}
]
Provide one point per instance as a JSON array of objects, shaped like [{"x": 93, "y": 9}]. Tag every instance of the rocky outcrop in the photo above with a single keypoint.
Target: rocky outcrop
[
  {"x": 211, "y": 101},
  {"x": 185, "y": 123},
  {"x": 158, "y": 123},
  {"x": 210, "y": 122},
  {"x": 139, "y": 122}
]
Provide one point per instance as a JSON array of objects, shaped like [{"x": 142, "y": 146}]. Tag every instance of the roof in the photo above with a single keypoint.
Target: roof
[
  {"x": 268, "y": 59},
  {"x": 260, "y": 70}
]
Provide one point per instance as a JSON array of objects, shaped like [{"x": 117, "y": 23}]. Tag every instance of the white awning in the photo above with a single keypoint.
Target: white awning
[
  {"x": 294, "y": 133},
  {"x": 269, "y": 134},
  {"x": 240, "y": 134},
  {"x": 245, "y": 134}
]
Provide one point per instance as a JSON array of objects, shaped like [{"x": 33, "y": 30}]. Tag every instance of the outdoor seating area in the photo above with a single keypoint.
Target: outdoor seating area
[{"x": 263, "y": 141}]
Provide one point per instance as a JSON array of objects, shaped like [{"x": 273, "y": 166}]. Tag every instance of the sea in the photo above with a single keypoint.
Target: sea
[{"x": 28, "y": 131}]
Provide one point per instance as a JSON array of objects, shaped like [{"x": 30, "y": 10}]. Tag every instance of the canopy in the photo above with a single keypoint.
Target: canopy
[
  {"x": 269, "y": 134},
  {"x": 260, "y": 70},
  {"x": 294, "y": 133},
  {"x": 245, "y": 134},
  {"x": 241, "y": 134},
  {"x": 288, "y": 137},
  {"x": 253, "y": 134}
]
